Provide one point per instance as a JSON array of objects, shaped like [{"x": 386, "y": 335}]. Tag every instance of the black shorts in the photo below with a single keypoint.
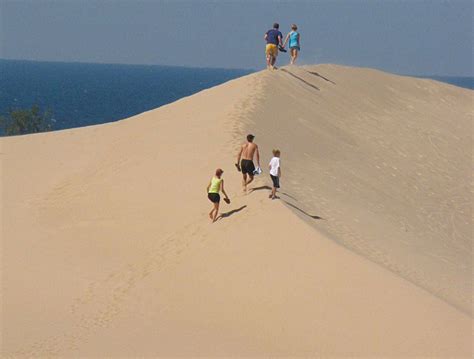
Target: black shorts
[
  {"x": 247, "y": 166},
  {"x": 214, "y": 197},
  {"x": 276, "y": 181}
]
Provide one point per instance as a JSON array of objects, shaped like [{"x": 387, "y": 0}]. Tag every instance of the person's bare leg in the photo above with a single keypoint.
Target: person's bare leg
[
  {"x": 295, "y": 56},
  {"x": 216, "y": 210},
  {"x": 244, "y": 182},
  {"x": 212, "y": 214},
  {"x": 251, "y": 177},
  {"x": 269, "y": 62},
  {"x": 274, "y": 192},
  {"x": 273, "y": 62}
]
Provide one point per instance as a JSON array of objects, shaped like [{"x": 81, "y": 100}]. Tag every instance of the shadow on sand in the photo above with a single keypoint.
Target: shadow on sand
[
  {"x": 230, "y": 213},
  {"x": 286, "y": 202},
  {"x": 324, "y": 78},
  {"x": 269, "y": 188},
  {"x": 300, "y": 210},
  {"x": 300, "y": 79},
  {"x": 259, "y": 188}
]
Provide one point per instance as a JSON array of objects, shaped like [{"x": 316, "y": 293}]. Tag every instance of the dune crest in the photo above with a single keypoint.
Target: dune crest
[
  {"x": 107, "y": 248},
  {"x": 387, "y": 161}
]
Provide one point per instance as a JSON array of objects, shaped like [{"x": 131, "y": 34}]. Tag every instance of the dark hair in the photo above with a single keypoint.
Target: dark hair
[
  {"x": 294, "y": 27},
  {"x": 276, "y": 25},
  {"x": 219, "y": 172},
  {"x": 250, "y": 138}
]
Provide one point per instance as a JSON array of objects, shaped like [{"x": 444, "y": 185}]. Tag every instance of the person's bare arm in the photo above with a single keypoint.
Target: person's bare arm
[
  {"x": 240, "y": 154},
  {"x": 280, "y": 40},
  {"x": 265, "y": 37},
  {"x": 223, "y": 190},
  {"x": 279, "y": 171},
  {"x": 208, "y": 186},
  {"x": 286, "y": 40},
  {"x": 258, "y": 157}
]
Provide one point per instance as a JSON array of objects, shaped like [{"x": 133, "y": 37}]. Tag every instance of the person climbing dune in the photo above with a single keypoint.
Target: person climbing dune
[
  {"x": 216, "y": 184},
  {"x": 245, "y": 163},
  {"x": 294, "y": 38},
  {"x": 273, "y": 37},
  {"x": 275, "y": 173}
]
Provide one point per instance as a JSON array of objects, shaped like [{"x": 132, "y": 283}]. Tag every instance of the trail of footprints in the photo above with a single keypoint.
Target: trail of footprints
[{"x": 110, "y": 293}]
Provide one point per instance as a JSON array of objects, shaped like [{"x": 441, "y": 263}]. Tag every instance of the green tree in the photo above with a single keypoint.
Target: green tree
[{"x": 23, "y": 121}]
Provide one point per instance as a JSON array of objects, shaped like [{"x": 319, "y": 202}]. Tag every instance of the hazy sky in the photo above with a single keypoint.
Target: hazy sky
[{"x": 432, "y": 37}]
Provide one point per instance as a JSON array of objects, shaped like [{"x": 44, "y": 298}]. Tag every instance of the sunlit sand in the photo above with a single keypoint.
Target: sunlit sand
[{"x": 107, "y": 248}]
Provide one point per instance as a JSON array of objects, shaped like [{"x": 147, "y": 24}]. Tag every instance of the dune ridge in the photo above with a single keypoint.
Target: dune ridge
[
  {"x": 107, "y": 248},
  {"x": 386, "y": 160}
]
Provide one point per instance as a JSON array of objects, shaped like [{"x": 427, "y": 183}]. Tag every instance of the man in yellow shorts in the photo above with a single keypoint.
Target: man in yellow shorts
[{"x": 273, "y": 38}]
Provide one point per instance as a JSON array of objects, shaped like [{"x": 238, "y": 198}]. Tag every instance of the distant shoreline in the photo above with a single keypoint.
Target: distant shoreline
[
  {"x": 121, "y": 64},
  {"x": 459, "y": 81},
  {"x": 83, "y": 94},
  {"x": 453, "y": 80}
]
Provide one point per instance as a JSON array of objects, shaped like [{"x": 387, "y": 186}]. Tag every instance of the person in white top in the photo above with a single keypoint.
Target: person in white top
[{"x": 275, "y": 173}]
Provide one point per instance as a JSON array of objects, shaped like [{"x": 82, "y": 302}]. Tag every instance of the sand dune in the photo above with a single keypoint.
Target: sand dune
[
  {"x": 387, "y": 161},
  {"x": 107, "y": 248}
]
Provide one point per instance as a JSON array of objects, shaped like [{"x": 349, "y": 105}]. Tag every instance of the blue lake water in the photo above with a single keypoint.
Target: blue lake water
[
  {"x": 81, "y": 94},
  {"x": 466, "y": 82}
]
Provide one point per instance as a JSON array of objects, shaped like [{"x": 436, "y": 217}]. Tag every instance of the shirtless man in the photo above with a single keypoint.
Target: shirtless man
[{"x": 246, "y": 153}]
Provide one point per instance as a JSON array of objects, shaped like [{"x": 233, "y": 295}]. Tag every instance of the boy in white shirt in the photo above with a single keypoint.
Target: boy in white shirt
[{"x": 275, "y": 173}]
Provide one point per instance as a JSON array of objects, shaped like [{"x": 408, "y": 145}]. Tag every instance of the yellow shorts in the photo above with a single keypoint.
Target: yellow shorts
[{"x": 271, "y": 50}]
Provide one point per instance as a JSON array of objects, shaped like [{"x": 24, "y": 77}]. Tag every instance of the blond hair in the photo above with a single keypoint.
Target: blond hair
[{"x": 276, "y": 152}]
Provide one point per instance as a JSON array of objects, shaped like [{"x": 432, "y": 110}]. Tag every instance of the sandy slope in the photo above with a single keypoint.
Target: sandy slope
[
  {"x": 387, "y": 161},
  {"x": 107, "y": 250}
]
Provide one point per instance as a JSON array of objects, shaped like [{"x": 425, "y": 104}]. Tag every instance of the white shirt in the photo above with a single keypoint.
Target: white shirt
[{"x": 274, "y": 166}]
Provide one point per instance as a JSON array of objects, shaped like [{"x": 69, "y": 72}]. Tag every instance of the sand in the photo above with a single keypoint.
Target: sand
[
  {"x": 386, "y": 160},
  {"x": 107, "y": 249}
]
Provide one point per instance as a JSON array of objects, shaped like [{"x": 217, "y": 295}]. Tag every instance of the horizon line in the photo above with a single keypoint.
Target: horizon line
[
  {"x": 251, "y": 69},
  {"x": 129, "y": 64}
]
